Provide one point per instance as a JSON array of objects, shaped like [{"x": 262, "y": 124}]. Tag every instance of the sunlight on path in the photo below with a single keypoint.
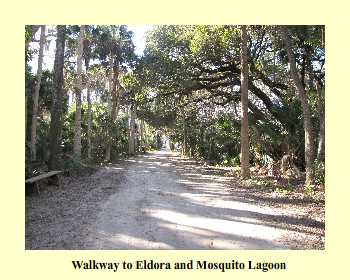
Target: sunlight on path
[{"x": 166, "y": 202}]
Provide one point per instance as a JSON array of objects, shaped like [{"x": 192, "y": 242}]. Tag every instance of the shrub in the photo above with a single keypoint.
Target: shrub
[{"x": 319, "y": 173}]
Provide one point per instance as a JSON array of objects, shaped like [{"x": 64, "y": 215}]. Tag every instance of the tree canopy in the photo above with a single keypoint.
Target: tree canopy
[{"x": 187, "y": 87}]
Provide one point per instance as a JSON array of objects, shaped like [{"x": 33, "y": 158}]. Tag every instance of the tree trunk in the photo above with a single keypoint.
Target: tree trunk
[
  {"x": 108, "y": 150},
  {"x": 132, "y": 130},
  {"x": 36, "y": 95},
  {"x": 89, "y": 120},
  {"x": 110, "y": 87},
  {"x": 78, "y": 90},
  {"x": 110, "y": 105},
  {"x": 56, "y": 109},
  {"x": 244, "y": 102},
  {"x": 118, "y": 96},
  {"x": 142, "y": 136},
  {"x": 114, "y": 94},
  {"x": 309, "y": 137},
  {"x": 145, "y": 133},
  {"x": 321, "y": 137},
  {"x": 34, "y": 28},
  {"x": 184, "y": 147},
  {"x": 89, "y": 109}
]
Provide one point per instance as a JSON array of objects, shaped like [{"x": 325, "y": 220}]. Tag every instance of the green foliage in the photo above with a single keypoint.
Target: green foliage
[
  {"x": 28, "y": 32},
  {"x": 319, "y": 173},
  {"x": 309, "y": 191},
  {"x": 28, "y": 35},
  {"x": 185, "y": 63},
  {"x": 212, "y": 40},
  {"x": 100, "y": 121},
  {"x": 186, "y": 86},
  {"x": 285, "y": 190},
  {"x": 231, "y": 160},
  {"x": 113, "y": 40}
]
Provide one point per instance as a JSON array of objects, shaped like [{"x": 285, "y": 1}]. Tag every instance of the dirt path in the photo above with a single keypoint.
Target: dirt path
[
  {"x": 160, "y": 201},
  {"x": 166, "y": 203}
]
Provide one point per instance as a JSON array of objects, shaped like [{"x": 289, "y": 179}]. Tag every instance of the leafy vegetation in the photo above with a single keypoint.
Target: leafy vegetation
[{"x": 185, "y": 89}]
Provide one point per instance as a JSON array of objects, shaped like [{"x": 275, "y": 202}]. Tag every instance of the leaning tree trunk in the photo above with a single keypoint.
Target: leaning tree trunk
[
  {"x": 78, "y": 90},
  {"x": 244, "y": 102},
  {"x": 36, "y": 95},
  {"x": 309, "y": 136},
  {"x": 56, "y": 109}
]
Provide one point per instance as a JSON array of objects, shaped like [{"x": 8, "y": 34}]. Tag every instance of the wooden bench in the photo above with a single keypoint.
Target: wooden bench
[{"x": 52, "y": 176}]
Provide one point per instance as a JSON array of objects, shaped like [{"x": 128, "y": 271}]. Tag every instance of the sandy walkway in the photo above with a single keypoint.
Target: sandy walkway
[
  {"x": 161, "y": 201},
  {"x": 168, "y": 203}
]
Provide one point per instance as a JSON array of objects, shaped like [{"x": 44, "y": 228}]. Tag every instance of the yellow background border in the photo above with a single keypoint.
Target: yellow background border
[{"x": 18, "y": 263}]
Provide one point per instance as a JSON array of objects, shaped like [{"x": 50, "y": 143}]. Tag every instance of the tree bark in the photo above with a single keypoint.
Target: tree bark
[
  {"x": 321, "y": 137},
  {"x": 245, "y": 172},
  {"x": 142, "y": 135},
  {"x": 210, "y": 145},
  {"x": 184, "y": 143},
  {"x": 108, "y": 150},
  {"x": 145, "y": 134},
  {"x": 56, "y": 109},
  {"x": 309, "y": 136},
  {"x": 34, "y": 28},
  {"x": 89, "y": 121},
  {"x": 132, "y": 129},
  {"x": 36, "y": 95},
  {"x": 89, "y": 109},
  {"x": 110, "y": 87},
  {"x": 114, "y": 110},
  {"x": 78, "y": 90}
]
